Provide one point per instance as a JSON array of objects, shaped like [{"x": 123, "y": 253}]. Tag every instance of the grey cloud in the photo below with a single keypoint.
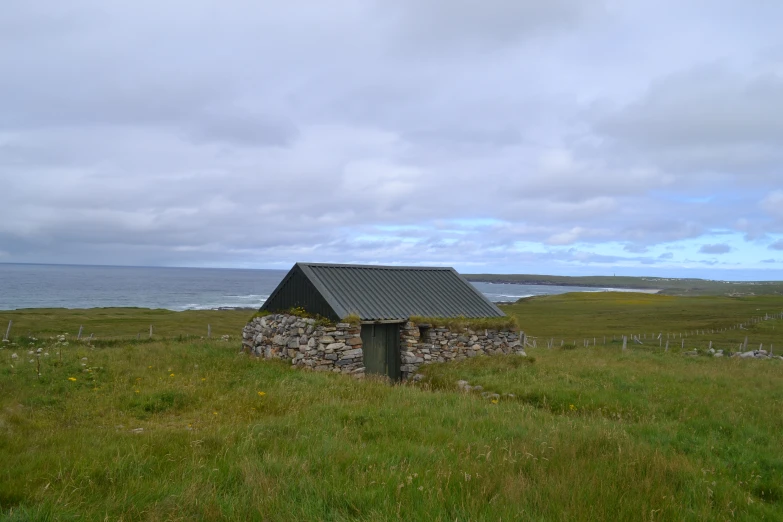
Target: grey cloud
[
  {"x": 243, "y": 128},
  {"x": 667, "y": 255},
  {"x": 777, "y": 245},
  {"x": 486, "y": 23},
  {"x": 192, "y": 134},
  {"x": 719, "y": 248},
  {"x": 706, "y": 118}
]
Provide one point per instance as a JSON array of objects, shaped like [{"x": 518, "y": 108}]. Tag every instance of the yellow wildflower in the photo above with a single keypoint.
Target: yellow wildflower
[
  {"x": 214, "y": 413},
  {"x": 172, "y": 375},
  {"x": 261, "y": 394},
  {"x": 72, "y": 379},
  {"x": 494, "y": 401}
]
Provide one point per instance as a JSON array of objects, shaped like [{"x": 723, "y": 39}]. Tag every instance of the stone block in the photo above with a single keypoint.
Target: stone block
[
  {"x": 356, "y": 352},
  {"x": 354, "y": 341},
  {"x": 335, "y": 346}
]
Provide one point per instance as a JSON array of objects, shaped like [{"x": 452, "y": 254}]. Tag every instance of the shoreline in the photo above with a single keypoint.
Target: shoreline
[{"x": 582, "y": 285}]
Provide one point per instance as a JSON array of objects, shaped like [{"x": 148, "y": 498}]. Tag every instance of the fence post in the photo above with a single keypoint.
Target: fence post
[
  {"x": 8, "y": 330},
  {"x": 150, "y": 331},
  {"x": 625, "y": 341},
  {"x": 79, "y": 335},
  {"x": 209, "y": 331}
]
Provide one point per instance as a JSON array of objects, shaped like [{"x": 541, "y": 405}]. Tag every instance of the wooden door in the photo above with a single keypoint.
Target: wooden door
[{"x": 381, "y": 349}]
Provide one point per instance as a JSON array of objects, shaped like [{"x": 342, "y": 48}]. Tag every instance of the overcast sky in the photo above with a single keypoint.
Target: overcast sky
[{"x": 514, "y": 136}]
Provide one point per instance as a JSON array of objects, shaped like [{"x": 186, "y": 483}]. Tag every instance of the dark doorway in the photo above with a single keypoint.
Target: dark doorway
[{"x": 381, "y": 349}]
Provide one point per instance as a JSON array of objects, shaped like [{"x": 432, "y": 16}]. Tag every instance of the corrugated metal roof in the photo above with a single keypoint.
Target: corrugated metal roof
[{"x": 392, "y": 292}]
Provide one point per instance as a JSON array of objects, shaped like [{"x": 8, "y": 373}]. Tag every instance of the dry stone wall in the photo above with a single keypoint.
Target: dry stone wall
[
  {"x": 335, "y": 348},
  {"x": 338, "y": 348},
  {"x": 424, "y": 345}
]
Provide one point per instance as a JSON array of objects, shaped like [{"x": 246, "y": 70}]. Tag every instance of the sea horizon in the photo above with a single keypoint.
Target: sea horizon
[{"x": 45, "y": 285}]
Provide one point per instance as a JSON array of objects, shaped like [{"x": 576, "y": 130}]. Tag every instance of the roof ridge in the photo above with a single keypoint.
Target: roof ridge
[{"x": 374, "y": 267}]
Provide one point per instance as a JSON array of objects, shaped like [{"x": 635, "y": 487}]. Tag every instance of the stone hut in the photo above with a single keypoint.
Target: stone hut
[{"x": 386, "y": 320}]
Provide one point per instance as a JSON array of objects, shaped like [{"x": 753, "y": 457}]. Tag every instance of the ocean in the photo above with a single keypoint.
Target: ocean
[{"x": 74, "y": 286}]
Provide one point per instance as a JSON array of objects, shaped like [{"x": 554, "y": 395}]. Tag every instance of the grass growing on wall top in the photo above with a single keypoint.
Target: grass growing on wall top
[
  {"x": 297, "y": 311},
  {"x": 475, "y": 324}
]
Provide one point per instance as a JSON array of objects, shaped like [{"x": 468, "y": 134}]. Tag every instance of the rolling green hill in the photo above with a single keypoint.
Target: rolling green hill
[{"x": 670, "y": 286}]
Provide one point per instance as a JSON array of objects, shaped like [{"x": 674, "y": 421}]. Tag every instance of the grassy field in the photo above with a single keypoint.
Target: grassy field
[
  {"x": 191, "y": 430},
  {"x": 593, "y": 316},
  {"x": 123, "y": 323}
]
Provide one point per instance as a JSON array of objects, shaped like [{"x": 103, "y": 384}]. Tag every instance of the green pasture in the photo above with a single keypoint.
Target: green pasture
[
  {"x": 190, "y": 429},
  {"x": 122, "y": 323}
]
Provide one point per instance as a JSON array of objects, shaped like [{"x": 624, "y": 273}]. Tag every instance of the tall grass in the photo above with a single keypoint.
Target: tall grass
[
  {"x": 183, "y": 431},
  {"x": 193, "y": 430}
]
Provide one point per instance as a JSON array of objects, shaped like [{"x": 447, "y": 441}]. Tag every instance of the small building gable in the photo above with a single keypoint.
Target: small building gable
[
  {"x": 296, "y": 290},
  {"x": 379, "y": 293}
]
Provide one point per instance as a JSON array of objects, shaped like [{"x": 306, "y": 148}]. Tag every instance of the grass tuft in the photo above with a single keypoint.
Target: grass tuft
[{"x": 471, "y": 323}]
